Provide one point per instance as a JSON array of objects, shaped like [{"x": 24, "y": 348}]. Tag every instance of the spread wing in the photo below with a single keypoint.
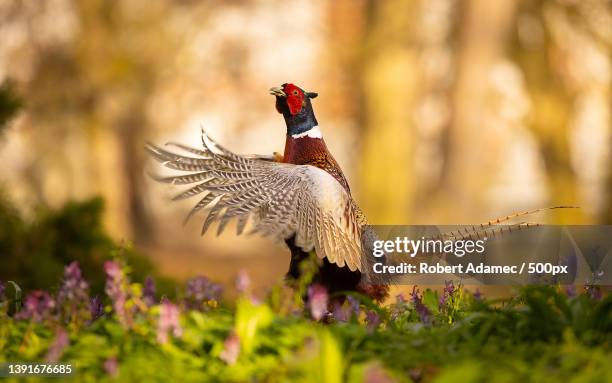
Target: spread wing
[{"x": 281, "y": 199}]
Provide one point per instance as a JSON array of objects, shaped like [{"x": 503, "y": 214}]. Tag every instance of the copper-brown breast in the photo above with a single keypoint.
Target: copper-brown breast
[{"x": 313, "y": 151}]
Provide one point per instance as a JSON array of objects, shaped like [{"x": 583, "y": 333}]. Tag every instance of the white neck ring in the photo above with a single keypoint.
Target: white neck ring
[{"x": 314, "y": 132}]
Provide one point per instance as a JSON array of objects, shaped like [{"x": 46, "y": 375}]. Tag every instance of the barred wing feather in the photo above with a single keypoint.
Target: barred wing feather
[{"x": 282, "y": 199}]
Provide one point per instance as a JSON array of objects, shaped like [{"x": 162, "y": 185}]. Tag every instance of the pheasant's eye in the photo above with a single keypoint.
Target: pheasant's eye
[{"x": 295, "y": 92}]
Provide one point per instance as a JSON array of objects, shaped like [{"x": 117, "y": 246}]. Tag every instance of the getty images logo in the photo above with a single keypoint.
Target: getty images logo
[{"x": 412, "y": 247}]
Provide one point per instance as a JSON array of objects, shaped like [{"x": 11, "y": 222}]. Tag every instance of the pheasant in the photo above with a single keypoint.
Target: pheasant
[
  {"x": 301, "y": 198},
  {"x": 304, "y": 145},
  {"x": 304, "y": 200}
]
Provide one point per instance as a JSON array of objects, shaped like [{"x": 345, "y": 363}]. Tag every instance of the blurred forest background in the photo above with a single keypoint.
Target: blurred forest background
[{"x": 439, "y": 111}]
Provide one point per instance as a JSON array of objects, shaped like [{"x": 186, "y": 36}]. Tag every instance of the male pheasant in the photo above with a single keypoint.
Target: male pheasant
[
  {"x": 305, "y": 200},
  {"x": 304, "y": 145}
]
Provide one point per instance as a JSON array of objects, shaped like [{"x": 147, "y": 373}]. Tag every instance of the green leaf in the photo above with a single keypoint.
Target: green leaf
[
  {"x": 430, "y": 300},
  {"x": 18, "y": 294},
  {"x": 250, "y": 318},
  {"x": 330, "y": 359}
]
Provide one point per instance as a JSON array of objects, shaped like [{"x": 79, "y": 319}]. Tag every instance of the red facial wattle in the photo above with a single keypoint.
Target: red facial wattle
[{"x": 295, "y": 98}]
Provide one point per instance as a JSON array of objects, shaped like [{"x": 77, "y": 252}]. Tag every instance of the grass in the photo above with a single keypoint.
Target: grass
[{"x": 541, "y": 334}]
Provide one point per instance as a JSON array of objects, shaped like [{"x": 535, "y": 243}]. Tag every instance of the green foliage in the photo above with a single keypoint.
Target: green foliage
[
  {"x": 9, "y": 103},
  {"x": 34, "y": 252},
  {"x": 541, "y": 334}
]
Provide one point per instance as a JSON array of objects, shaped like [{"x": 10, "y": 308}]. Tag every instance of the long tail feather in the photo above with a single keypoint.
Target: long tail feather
[
  {"x": 493, "y": 228},
  {"x": 524, "y": 213}
]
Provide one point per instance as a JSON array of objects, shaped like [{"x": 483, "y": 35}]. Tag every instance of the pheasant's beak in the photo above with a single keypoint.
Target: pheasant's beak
[{"x": 278, "y": 92}]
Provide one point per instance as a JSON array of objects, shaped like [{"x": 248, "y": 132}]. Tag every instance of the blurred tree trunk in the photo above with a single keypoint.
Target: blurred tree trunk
[
  {"x": 469, "y": 167},
  {"x": 122, "y": 75},
  {"x": 387, "y": 83},
  {"x": 552, "y": 108},
  {"x": 131, "y": 127}
]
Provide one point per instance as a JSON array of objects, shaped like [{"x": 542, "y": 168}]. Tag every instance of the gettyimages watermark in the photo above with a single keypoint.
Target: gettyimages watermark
[{"x": 497, "y": 255}]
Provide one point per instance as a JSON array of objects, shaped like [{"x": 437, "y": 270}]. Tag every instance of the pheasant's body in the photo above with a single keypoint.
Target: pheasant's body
[
  {"x": 307, "y": 147},
  {"x": 313, "y": 151}
]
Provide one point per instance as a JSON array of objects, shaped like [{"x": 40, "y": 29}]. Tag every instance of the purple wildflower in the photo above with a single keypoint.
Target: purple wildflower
[
  {"x": 96, "y": 308},
  {"x": 38, "y": 305},
  {"x": 570, "y": 290},
  {"x": 400, "y": 300},
  {"x": 3, "y": 304},
  {"x": 199, "y": 291},
  {"x": 148, "y": 291},
  {"x": 594, "y": 292},
  {"x": 111, "y": 366},
  {"x": 375, "y": 373},
  {"x": 169, "y": 320},
  {"x": 421, "y": 309},
  {"x": 74, "y": 287},
  {"x": 354, "y": 303},
  {"x": 477, "y": 295},
  {"x": 447, "y": 293},
  {"x": 373, "y": 320},
  {"x": 343, "y": 312},
  {"x": 243, "y": 286},
  {"x": 243, "y": 282},
  {"x": 399, "y": 307},
  {"x": 116, "y": 289},
  {"x": 73, "y": 295},
  {"x": 317, "y": 301},
  {"x": 56, "y": 350},
  {"x": 231, "y": 349}
]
